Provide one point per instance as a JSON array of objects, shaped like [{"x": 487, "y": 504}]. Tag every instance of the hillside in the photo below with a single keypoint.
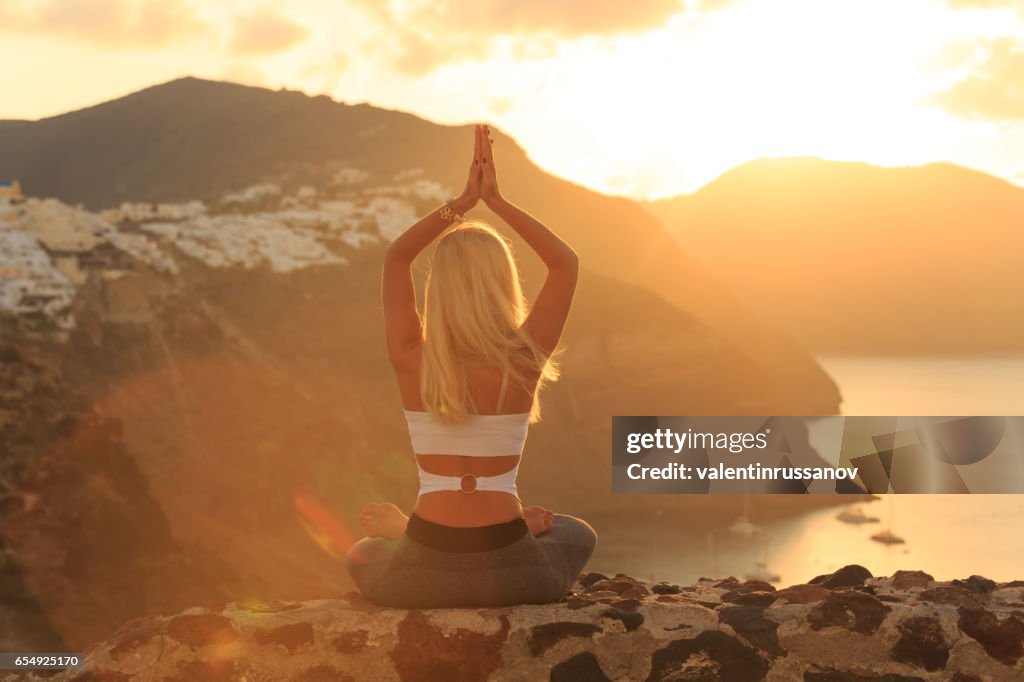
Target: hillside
[
  {"x": 230, "y": 347},
  {"x": 194, "y": 139},
  {"x": 853, "y": 258}
]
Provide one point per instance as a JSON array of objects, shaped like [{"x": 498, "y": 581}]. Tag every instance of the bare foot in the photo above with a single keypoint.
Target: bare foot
[
  {"x": 538, "y": 519},
  {"x": 383, "y": 520}
]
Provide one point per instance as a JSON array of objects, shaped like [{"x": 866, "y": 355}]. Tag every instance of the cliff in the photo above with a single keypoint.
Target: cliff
[{"x": 847, "y": 626}]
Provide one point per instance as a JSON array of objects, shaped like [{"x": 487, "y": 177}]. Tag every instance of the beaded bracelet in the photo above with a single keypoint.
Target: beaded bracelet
[{"x": 448, "y": 213}]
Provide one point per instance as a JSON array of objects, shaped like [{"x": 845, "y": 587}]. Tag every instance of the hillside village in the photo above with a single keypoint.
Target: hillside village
[{"x": 48, "y": 249}]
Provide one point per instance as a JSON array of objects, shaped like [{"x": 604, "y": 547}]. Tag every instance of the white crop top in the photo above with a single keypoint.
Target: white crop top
[{"x": 480, "y": 435}]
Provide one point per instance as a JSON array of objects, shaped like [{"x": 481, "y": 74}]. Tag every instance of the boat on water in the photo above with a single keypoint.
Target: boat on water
[
  {"x": 742, "y": 524},
  {"x": 856, "y": 515},
  {"x": 887, "y": 537}
]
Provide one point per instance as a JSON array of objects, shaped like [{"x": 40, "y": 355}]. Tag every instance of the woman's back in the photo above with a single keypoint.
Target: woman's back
[
  {"x": 479, "y": 507},
  {"x": 479, "y": 347}
]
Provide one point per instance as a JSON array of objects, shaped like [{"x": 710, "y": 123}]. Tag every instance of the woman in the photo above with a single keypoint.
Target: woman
[{"x": 469, "y": 375}]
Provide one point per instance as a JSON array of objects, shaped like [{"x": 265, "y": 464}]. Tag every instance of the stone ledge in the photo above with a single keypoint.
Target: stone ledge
[{"x": 847, "y": 626}]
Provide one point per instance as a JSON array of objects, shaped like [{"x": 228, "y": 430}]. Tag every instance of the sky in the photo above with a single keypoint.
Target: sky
[{"x": 649, "y": 98}]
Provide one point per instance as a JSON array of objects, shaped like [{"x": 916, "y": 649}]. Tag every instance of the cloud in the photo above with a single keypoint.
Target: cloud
[
  {"x": 712, "y": 5},
  {"x": 266, "y": 31},
  {"x": 994, "y": 88},
  {"x": 1015, "y": 5},
  {"x": 984, "y": 4},
  {"x": 324, "y": 75},
  {"x": 107, "y": 23},
  {"x": 567, "y": 17},
  {"x": 424, "y": 35}
]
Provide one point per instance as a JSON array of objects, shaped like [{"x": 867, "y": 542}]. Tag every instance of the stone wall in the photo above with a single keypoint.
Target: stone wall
[{"x": 843, "y": 627}]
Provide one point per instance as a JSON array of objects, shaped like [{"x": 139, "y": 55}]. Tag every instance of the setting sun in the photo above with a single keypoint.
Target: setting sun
[{"x": 704, "y": 94}]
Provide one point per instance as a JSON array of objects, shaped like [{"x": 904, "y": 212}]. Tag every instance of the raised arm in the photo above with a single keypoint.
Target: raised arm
[
  {"x": 401, "y": 318},
  {"x": 550, "y": 310}
]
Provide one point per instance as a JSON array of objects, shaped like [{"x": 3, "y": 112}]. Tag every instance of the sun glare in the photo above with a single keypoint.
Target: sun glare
[
  {"x": 673, "y": 108},
  {"x": 649, "y": 113},
  {"x": 840, "y": 81}
]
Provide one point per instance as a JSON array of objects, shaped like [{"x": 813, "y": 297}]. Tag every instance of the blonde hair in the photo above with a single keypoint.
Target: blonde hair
[{"x": 473, "y": 315}]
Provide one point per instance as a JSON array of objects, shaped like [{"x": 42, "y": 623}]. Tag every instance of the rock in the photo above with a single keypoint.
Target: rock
[
  {"x": 665, "y": 588},
  {"x": 847, "y": 576},
  {"x": 591, "y": 578},
  {"x": 750, "y": 598},
  {"x": 428, "y": 650},
  {"x": 711, "y": 655},
  {"x": 543, "y": 637},
  {"x": 675, "y": 598},
  {"x": 189, "y": 671},
  {"x": 638, "y": 592},
  {"x": 631, "y": 619},
  {"x": 746, "y": 619},
  {"x": 202, "y": 629},
  {"x": 950, "y": 594},
  {"x": 1003, "y": 641},
  {"x": 850, "y": 609},
  {"x": 601, "y": 594},
  {"x": 751, "y": 624},
  {"x": 322, "y": 673},
  {"x": 977, "y": 584},
  {"x": 134, "y": 634},
  {"x": 803, "y": 594},
  {"x": 613, "y": 585},
  {"x": 102, "y": 675},
  {"x": 847, "y": 676},
  {"x": 578, "y": 602},
  {"x": 580, "y": 668},
  {"x": 626, "y": 604},
  {"x": 806, "y": 632},
  {"x": 351, "y": 642},
  {"x": 756, "y": 586},
  {"x": 292, "y": 637},
  {"x": 921, "y": 643},
  {"x": 903, "y": 580},
  {"x": 963, "y": 677}
]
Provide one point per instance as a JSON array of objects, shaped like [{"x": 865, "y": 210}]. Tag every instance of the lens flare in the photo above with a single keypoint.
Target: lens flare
[{"x": 325, "y": 529}]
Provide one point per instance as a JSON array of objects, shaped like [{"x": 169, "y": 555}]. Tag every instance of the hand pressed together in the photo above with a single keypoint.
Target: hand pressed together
[{"x": 482, "y": 182}]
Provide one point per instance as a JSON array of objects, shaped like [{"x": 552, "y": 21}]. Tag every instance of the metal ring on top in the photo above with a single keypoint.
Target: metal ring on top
[{"x": 467, "y": 483}]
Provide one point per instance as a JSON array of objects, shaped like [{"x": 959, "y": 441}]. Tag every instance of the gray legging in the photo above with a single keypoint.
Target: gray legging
[{"x": 532, "y": 570}]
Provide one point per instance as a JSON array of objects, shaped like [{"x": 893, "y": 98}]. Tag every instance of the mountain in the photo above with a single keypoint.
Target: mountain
[
  {"x": 852, "y": 258},
  {"x": 192, "y": 139},
  {"x": 233, "y": 347}
]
